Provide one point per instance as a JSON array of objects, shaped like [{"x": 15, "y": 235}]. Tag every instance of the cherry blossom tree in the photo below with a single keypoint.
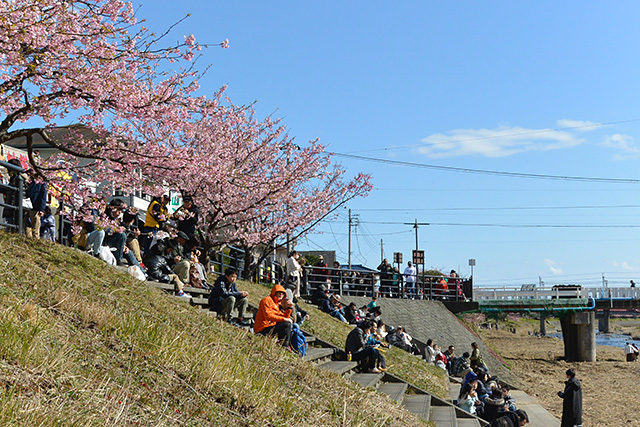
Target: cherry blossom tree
[
  {"x": 255, "y": 184},
  {"x": 144, "y": 129},
  {"x": 93, "y": 62}
]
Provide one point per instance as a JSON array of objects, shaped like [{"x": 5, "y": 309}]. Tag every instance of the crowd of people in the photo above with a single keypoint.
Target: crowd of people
[{"x": 167, "y": 249}]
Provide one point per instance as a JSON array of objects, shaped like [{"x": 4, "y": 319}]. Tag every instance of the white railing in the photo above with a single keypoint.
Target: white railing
[{"x": 513, "y": 293}]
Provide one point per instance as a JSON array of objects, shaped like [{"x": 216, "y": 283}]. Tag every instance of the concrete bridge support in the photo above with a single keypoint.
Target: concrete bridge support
[
  {"x": 579, "y": 333},
  {"x": 543, "y": 323},
  {"x": 603, "y": 322}
]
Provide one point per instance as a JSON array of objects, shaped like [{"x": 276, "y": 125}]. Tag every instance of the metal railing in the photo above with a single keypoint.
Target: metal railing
[
  {"x": 355, "y": 282},
  {"x": 14, "y": 220},
  {"x": 230, "y": 256},
  {"x": 515, "y": 293}
]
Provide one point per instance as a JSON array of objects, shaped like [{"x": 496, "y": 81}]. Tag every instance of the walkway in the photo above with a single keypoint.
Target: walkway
[{"x": 538, "y": 416}]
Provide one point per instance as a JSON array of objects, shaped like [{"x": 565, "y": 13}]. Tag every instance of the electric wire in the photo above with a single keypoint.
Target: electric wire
[{"x": 490, "y": 172}]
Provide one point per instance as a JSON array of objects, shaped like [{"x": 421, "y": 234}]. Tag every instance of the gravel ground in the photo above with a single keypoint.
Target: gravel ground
[{"x": 609, "y": 384}]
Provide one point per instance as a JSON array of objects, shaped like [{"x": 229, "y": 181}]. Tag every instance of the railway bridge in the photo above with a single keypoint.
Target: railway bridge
[{"x": 577, "y": 308}]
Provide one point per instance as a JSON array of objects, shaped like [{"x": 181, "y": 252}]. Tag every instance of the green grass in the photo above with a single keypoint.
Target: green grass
[
  {"x": 414, "y": 370},
  {"x": 84, "y": 345}
]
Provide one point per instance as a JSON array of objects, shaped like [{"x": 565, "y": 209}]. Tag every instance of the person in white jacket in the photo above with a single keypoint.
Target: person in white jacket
[{"x": 294, "y": 271}]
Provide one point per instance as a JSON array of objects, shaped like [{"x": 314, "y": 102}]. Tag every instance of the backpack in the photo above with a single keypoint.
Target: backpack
[{"x": 298, "y": 340}]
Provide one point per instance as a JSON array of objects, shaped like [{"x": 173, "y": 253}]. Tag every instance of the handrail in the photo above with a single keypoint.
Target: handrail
[{"x": 19, "y": 194}]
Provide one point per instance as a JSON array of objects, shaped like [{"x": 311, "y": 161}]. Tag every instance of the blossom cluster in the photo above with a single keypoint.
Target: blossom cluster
[{"x": 143, "y": 128}]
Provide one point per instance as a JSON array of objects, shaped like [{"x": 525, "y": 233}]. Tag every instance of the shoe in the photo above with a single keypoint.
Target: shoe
[
  {"x": 374, "y": 371},
  {"x": 243, "y": 323},
  {"x": 382, "y": 369},
  {"x": 183, "y": 294}
]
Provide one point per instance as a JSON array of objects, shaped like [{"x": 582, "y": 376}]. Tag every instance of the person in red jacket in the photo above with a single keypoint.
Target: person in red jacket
[{"x": 273, "y": 316}]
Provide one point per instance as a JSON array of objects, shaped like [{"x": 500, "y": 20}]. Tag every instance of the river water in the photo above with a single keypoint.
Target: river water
[{"x": 613, "y": 340}]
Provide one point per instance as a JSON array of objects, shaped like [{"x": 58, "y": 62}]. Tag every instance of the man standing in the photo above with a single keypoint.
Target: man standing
[
  {"x": 572, "y": 405},
  {"x": 294, "y": 271},
  {"x": 385, "y": 270},
  {"x": 224, "y": 297},
  {"x": 410, "y": 279},
  {"x": 476, "y": 358}
]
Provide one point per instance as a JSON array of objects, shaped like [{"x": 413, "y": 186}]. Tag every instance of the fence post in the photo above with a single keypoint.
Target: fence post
[{"x": 19, "y": 197}]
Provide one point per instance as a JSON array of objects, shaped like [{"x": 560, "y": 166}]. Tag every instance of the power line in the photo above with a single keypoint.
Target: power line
[
  {"x": 493, "y": 208},
  {"x": 490, "y": 172},
  {"x": 504, "y": 135},
  {"x": 456, "y": 224},
  {"x": 511, "y": 190}
]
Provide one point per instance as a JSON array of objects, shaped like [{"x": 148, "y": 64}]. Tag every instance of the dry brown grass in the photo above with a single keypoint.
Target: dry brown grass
[
  {"x": 412, "y": 369},
  {"x": 83, "y": 345}
]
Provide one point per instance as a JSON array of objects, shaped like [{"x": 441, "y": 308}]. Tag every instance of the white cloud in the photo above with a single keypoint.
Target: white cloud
[
  {"x": 626, "y": 145},
  {"x": 500, "y": 142},
  {"x": 578, "y": 125},
  {"x": 553, "y": 266},
  {"x": 623, "y": 265}
]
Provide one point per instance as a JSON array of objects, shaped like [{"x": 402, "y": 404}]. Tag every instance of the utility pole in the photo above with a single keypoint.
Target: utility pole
[
  {"x": 349, "y": 239},
  {"x": 381, "y": 250},
  {"x": 416, "y": 225}
]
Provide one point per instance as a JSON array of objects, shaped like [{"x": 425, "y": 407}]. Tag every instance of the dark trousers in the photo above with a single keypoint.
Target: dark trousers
[
  {"x": 117, "y": 241},
  {"x": 368, "y": 356},
  {"x": 282, "y": 330}
]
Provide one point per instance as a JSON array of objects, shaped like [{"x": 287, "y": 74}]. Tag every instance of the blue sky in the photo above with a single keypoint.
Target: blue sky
[{"x": 547, "y": 88}]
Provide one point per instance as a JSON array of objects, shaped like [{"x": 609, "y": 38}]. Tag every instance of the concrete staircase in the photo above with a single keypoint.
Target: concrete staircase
[
  {"x": 430, "y": 408},
  {"x": 327, "y": 356}
]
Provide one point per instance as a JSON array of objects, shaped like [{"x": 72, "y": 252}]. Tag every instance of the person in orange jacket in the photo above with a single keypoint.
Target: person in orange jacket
[{"x": 273, "y": 316}]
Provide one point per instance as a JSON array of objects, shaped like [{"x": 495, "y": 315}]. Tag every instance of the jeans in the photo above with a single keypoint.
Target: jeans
[
  {"x": 338, "y": 314},
  {"x": 94, "y": 241}
]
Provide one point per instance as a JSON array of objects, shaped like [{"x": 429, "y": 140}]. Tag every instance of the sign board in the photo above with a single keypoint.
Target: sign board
[
  {"x": 397, "y": 257},
  {"x": 418, "y": 257},
  {"x": 472, "y": 262}
]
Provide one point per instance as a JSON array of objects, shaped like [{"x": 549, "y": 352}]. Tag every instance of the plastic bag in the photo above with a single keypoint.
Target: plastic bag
[{"x": 136, "y": 272}]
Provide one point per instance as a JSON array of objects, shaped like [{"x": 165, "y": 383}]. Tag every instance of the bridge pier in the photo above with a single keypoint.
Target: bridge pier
[
  {"x": 579, "y": 334},
  {"x": 603, "y": 322},
  {"x": 543, "y": 324}
]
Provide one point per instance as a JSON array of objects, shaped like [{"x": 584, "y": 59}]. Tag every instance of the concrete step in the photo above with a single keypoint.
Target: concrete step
[
  {"x": 468, "y": 422},
  {"x": 339, "y": 367},
  {"x": 203, "y": 302},
  {"x": 419, "y": 404},
  {"x": 454, "y": 391},
  {"x": 443, "y": 416},
  {"x": 395, "y": 391},
  {"x": 310, "y": 339},
  {"x": 367, "y": 380},
  {"x": 317, "y": 353}
]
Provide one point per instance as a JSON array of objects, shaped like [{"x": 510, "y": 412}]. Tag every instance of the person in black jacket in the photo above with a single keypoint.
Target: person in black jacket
[
  {"x": 225, "y": 296},
  {"x": 158, "y": 269},
  {"x": 511, "y": 419},
  {"x": 188, "y": 216},
  {"x": 493, "y": 405},
  {"x": 572, "y": 404},
  {"x": 358, "y": 351}
]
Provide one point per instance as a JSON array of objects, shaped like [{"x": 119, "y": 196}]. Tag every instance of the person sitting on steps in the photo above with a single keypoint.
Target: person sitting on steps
[
  {"x": 274, "y": 319},
  {"x": 225, "y": 296},
  {"x": 358, "y": 351}
]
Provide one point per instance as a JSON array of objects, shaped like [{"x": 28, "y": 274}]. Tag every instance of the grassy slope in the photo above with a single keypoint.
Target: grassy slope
[
  {"x": 413, "y": 369},
  {"x": 81, "y": 344}
]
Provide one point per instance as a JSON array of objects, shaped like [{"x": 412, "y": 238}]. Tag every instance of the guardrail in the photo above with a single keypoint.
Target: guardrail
[
  {"x": 12, "y": 222},
  {"x": 354, "y": 282},
  {"x": 513, "y": 293}
]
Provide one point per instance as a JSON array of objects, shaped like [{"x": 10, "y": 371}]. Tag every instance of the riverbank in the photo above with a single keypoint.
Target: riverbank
[{"x": 608, "y": 384}]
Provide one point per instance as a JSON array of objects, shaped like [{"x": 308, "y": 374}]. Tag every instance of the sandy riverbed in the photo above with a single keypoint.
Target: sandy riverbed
[{"x": 609, "y": 384}]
